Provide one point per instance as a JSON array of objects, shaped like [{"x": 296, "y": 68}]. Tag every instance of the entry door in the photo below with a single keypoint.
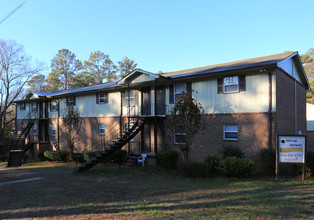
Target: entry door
[
  {"x": 161, "y": 100},
  {"x": 146, "y": 101}
]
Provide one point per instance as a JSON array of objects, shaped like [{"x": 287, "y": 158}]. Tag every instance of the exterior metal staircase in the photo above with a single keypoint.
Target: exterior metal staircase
[
  {"x": 18, "y": 147},
  {"x": 113, "y": 146}
]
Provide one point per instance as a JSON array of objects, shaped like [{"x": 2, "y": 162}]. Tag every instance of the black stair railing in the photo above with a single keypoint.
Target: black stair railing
[{"x": 115, "y": 140}]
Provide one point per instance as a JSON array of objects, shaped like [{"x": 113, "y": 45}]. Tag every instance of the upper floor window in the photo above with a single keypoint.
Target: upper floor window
[
  {"x": 102, "y": 98},
  {"x": 22, "y": 106},
  {"x": 130, "y": 97},
  {"x": 53, "y": 105},
  {"x": 230, "y": 132},
  {"x": 231, "y": 84},
  {"x": 34, "y": 107},
  {"x": 71, "y": 101},
  {"x": 102, "y": 128},
  {"x": 179, "y": 88}
]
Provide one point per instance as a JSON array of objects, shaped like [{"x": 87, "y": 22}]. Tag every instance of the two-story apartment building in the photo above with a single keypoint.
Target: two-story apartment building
[{"x": 246, "y": 103}]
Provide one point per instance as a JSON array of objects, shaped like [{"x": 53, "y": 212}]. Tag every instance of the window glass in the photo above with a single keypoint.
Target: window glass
[
  {"x": 34, "y": 129},
  {"x": 102, "y": 98},
  {"x": 101, "y": 128},
  {"x": 231, "y": 84},
  {"x": 34, "y": 107},
  {"x": 130, "y": 97},
  {"x": 53, "y": 130},
  {"x": 71, "y": 101},
  {"x": 54, "y": 105},
  {"x": 178, "y": 89},
  {"x": 22, "y": 106},
  {"x": 179, "y": 135},
  {"x": 231, "y": 132}
]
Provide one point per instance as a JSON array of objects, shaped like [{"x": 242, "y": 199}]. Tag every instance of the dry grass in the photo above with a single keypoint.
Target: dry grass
[{"x": 150, "y": 193}]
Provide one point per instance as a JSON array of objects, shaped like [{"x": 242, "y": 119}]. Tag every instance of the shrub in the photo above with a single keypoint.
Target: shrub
[
  {"x": 41, "y": 156},
  {"x": 56, "y": 155},
  {"x": 212, "y": 162},
  {"x": 119, "y": 156},
  {"x": 232, "y": 151},
  {"x": 310, "y": 162},
  {"x": 195, "y": 169},
  {"x": 239, "y": 167},
  {"x": 78, "y": 157},
  {"x": 89, "y": 154},
  {"x": 268, "y": 159},
  {"x": 168, "y": 159},
  {"x": 3, "y": 157}
]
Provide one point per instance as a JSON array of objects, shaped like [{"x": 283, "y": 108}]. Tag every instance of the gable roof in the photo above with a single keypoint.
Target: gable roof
[{"x": 235, "y": 65}]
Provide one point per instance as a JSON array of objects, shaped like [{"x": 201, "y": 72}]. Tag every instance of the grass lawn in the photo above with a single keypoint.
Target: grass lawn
[{"x": 148, "y": 193}]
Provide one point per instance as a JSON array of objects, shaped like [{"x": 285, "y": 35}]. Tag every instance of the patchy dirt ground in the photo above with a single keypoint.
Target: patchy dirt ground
[{"x": 149, "y": 193}]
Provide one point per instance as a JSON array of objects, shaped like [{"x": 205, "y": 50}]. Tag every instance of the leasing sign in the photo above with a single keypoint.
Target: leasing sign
[{"x": 291, "y": 149}]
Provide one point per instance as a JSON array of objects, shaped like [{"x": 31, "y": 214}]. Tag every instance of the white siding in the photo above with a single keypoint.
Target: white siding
[
  {"x": 289, "y": 66},
  {"x": 310, "y": 116}
]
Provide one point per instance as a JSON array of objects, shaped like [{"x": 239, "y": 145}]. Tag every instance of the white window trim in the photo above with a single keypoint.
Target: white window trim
[
  {"x": 132, "y": 98},
  {"x": 224, "y": 132},
  {"x": 99, "y": 128},
  {"x": 178, "y": 133},
  {"x": 24, "y": 108},
  {"x": 178, "y": 93},
  {"x": 53, "y": 130},
  {"x": 102, "y": 100},
  {"x": 223, "y": 85},
  {"x": 34, "y": 129},
  {"x": 54, "y": 107}
]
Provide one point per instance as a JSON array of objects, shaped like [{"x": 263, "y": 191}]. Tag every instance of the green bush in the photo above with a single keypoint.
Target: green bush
[
  {"x": 195, "y": 169},
  {"x": 232, "y": 151},
  {"x": 41, "y": 156},
  {"x": 239, "y": 167},
  {"x": 78, "y": 157},
  {"x": 268, "y": 159},
  {"x": 212, "y": 162},
  {"x": 168, "y": 159},
  {"x": 89, "y": 154},
  {"x": 56, "y": 155}
]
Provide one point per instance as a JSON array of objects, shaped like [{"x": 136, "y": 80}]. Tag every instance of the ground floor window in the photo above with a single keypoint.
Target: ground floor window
[
  {"x": 53, "y": 130},
  {"x": 230, "y": 132},
  {"x": 102, "y": 128},
  {"x": 179, "y": 135},
  {"x": 34, "y": 129}
]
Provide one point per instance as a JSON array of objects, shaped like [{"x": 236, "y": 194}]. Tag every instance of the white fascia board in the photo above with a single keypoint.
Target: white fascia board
[{"x": 152, "y": 75}]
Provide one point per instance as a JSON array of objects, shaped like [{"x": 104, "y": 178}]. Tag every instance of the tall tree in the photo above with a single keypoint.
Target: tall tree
[
  {"x": 308, "y": 65},
  {"x": 39, "y": 83},
  {"x": 126, "y": 66},
  {"x": 15, "y": 72},
  {"x": 100, "y": 68},
  {"x": 185, "y": 121},
  {"x": 64, "y": 66}
]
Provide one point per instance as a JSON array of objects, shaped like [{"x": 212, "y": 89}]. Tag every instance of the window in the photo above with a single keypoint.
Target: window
[
  {"x": 22, "y": 106},
  {"x": 130, "y": 97},
  {"x": 102, "y": 128},
  {"x": 53, "y": 105},
  {"x": 231, "y": 84},
  {"x": 179, "y": 135},
  {"x": 230, "y": 132},
  {"x": 102, "y": 98},
  {"x": 71, "y": 101},
  {"x": 34, "y": 107},
  {"x": 34, "y": 129},
  {"x": 53, "y": 130},
  {"x": 178, "y": 89}
]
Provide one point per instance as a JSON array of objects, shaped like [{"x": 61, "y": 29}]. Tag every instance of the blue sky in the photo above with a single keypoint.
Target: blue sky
[{"x": 164, "y": 35}]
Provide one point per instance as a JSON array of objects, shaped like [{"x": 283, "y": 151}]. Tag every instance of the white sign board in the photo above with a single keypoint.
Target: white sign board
[{"x": 292, "y": 149}]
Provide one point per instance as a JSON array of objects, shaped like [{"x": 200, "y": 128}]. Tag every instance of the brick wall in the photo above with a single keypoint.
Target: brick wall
[
  {"x": 253, "y": 135},
  {"x": 285, "y": 104}
]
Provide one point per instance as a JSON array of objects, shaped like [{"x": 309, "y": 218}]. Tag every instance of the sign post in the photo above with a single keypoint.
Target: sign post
[{"x": 291, "y": 149}]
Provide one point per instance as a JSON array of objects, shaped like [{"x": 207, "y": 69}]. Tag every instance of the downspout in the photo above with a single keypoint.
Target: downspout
[
  {"x": 155, "y": 124},
  {"x": 295, "y": 107},
  {"x": 58, "y": 124},
  {"x": 121, "y": 112},
  {"x": 270, "y": 89}
]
